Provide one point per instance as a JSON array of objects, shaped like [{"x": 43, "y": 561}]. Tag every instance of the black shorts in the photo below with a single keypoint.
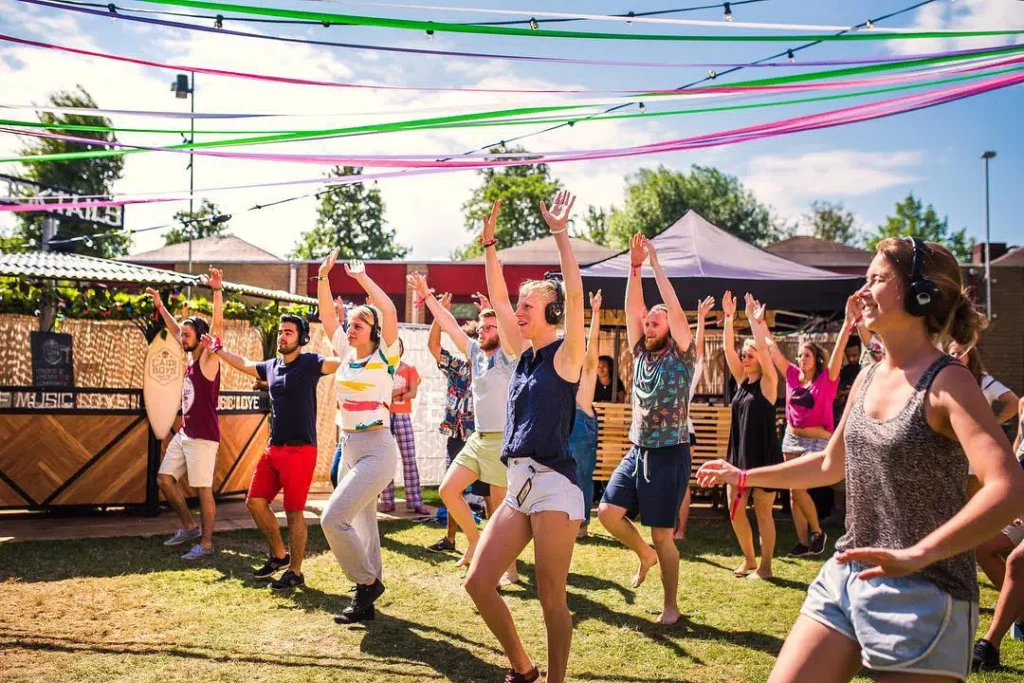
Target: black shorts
[{"x": 651, "y": 483}]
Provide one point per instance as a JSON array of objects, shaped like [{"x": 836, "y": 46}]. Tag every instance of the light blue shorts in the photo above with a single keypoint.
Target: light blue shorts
[{"x": 904, "y": 624}]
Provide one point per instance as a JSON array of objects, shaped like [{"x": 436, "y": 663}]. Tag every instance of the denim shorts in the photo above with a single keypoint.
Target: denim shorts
[
  {"x": 533, "y": 487},
  {"x": 903, "y": 624},
  {"x": 793, "y": 444}
]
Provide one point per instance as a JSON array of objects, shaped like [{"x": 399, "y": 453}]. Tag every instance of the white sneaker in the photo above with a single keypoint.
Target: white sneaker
[{"x": 184, "y": 535}]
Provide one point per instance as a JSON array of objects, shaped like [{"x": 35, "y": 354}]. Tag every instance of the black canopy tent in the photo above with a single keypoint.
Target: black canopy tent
[{"x": 701, "y": 259}]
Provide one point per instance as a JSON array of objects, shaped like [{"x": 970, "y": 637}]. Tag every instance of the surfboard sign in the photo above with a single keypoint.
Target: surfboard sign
[{"x": 162, "y": 380}]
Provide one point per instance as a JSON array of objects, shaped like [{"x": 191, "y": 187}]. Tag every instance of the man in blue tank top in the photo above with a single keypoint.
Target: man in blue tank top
[{"x": 651, "y": 480}]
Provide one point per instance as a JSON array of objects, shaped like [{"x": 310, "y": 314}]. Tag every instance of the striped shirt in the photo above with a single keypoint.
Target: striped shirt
[{"x": 364, "y": 385}]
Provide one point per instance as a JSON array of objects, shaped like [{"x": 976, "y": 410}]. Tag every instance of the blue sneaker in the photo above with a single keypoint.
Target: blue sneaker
[
  {"x": 184, "y": 535},
  {"x": 198, "y": 552}
]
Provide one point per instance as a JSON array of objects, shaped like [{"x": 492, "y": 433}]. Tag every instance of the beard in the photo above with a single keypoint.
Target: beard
[
  {"x": 190, "y": 348},
  {"x": 657, "y": 344},
  {"x": 490, "y": 344},
  {"x": 284, "y": 349}
]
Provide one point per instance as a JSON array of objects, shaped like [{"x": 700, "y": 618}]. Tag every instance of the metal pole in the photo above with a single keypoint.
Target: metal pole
[
  {"x": 49, "y": 228},
  {"x": 191, "y": 175},
  {"x": 988, "y": 239}
]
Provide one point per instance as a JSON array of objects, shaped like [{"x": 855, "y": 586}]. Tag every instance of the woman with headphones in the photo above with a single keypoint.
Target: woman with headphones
[
  {"x": 543, "y": 501},
  {"x": 900, "y": 596},
  {"x": 811, "y": 388},
  {"x": 368, "y": 350}
]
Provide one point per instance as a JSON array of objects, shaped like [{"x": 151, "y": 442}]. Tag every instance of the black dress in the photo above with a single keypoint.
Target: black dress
[{"x": 753, "y": 439}]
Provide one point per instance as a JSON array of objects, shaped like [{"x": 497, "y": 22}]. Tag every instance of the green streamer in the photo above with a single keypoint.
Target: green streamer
[
  {"x": 481, "y": 120},
  {"x": 441, "y": 26}
]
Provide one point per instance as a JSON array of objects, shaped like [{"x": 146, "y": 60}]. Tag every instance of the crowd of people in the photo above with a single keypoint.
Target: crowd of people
[{"x": 910, "y": 439}]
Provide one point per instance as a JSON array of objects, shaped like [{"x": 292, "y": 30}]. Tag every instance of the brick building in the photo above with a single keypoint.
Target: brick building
[{"x": 1002, "y": 346}]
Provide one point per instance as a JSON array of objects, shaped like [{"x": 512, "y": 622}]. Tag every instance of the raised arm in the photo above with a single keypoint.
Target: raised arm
[
  {"x": 389, "y": 323},
  {"x": 769, "y": 380},
  {"x": 442, "y": 314},
  {"x": 215, "y": 282},
  {"x": 732, "y": 359},
  {"x": 835, "y": 361},
  {"x": 434, "y": 336},
  {"x": 569, "y": 357},
  {"x": 703, "y": 308},
  {"x": 213, "y": 345},
  {"x": 165, "y": 315},
  {"x": 635, "y": 307},
  {"x": 328, "y": 315},
  {"x": 593, "y": 338},
  {"x": 678, "y": 325},
  {"x": 497, "y": 291},
  {"x": 779, "y": 359}
]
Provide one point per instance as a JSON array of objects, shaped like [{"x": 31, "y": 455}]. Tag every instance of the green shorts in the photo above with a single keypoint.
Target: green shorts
[{"x": 482, "y": 455}]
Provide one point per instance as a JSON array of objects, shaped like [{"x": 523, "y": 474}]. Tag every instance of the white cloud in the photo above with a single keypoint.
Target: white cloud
[
  {"x": 964, "y": 15},
  {"x": 789, "y": 183},
  {"x": 417, "y": 207}
]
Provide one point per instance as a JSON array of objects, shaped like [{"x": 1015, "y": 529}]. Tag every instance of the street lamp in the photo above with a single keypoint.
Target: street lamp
[
  {"x": 181, "y": 88},
  {"x": 988, "y": 270}
]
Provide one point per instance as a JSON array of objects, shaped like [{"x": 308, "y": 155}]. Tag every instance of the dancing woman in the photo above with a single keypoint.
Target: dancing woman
[
  {"x": 901, "y": 594},
  {"x": 543, "y": 501}
]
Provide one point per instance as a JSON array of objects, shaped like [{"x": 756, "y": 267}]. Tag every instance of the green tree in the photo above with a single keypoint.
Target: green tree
[
  {"x": 521, "y": 189},
  {"x": 655, "y": 198},
  {"x": 596, "y": 220},
  {"x": 351, "y": 219},
  {"x": 80, "y": 176},
  {"x": 831, "y": 221},
  {"x": 912, "y": 219},
  {"x": 207, "y": 221}
]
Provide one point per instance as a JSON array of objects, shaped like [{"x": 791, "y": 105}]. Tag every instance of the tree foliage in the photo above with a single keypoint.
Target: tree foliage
[
  {"x": 913, "y": 219},
  {"x": 207, "y": 221},
  {"x": 831, "y": 221}
]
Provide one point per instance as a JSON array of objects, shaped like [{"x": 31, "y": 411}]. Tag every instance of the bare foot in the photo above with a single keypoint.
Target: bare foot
[
  {"x": 645, "y": 564},
  {"x": 744, "y": 569},
  {"x": 759, "y": 575},
  {"x": 679, "y": 535},
  {"x": 582, "y": 533},
  {"x": 508, "y": 579},
  {"x": 669, "y": 616},
  {"x": 466, "y": 559}
]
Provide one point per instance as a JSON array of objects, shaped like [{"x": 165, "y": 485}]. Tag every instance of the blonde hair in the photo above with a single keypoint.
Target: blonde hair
[
  {"x": 546, "y": 288},
  {"x": 749, "y": 343},
  {"x": 952, "y": 314},
  {"x": 367, "y": 313}
]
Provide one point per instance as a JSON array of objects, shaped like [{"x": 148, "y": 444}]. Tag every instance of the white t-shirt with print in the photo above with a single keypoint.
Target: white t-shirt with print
[{"x": 364, "y": 385}]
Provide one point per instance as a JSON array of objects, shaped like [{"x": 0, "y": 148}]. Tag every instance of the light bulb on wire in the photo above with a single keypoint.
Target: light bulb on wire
[
  {"x": 869, "y": 24},
  {"x": 712, "y": 73},
  {"x": 533, "y": 24},
  {"x": 630, "y": 19},
  {"x": 113, "y": 12},
  {"x": 430, "y": 34},
  {"x": 502, "y": 147},
  {"x": 643, "y": 109},
  {"x": 728, "y": 12},
  {"x": 218, "y": 22},
  {"x": 790, "y": 56}
]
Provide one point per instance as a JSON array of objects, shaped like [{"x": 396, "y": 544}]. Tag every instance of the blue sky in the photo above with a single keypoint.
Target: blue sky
[{"x": 869, "y": 166}]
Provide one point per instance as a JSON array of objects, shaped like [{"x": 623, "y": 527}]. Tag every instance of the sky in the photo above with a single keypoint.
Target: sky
[{"x": 934, "y": 153}]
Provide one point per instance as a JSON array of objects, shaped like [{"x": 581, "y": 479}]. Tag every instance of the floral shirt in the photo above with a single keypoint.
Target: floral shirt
[
  {"x": 458, "y": 406},
  {"x": 661, "y": 395}
]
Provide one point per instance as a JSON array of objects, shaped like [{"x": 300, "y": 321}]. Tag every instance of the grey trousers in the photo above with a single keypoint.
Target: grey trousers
[{"x": 349, "y": 521}]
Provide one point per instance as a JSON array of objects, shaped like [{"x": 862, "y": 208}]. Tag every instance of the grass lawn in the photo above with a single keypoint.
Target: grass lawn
[{"x": 128, "y": 610}]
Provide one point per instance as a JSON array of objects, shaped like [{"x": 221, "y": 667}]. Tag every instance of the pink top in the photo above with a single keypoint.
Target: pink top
[
  {"x": 199, "y": 397},
  {"x": 810, "y": 406}
]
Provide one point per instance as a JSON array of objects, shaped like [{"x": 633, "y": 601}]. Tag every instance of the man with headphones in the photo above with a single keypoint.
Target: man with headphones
[
  {"x": 193, "y": 450},
  {"x": 651, "y": 481},
  {"x": 290, "y": 459}
]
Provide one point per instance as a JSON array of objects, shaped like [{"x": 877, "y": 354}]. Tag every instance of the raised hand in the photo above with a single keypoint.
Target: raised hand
[
  {"x": 558, "y": 216},
  {"x": 716, "y": 472},
  {"x": 637, "y": 250},
  {"x": 652, "y": 253},
  {"x": 491, "y": 223},
  {"x": 155, "y": 294},
  {"x": 854, "y": 309},
  {"x": 704, "y": 306},
  {"x": 354, "y": 268},
  {"x": 446, "y": 301},
  {"x": 328, "y": 263},
  {"x": 339, "y": 307},
  {"x": 595, "y": 301},
  {"x": 754, "y": 309},
  {"x": 482, "y": 301},
  {"x": 216, "y": 278},
  {"x": 419, "y": 285},
  {"x": 728, "y": 304}
]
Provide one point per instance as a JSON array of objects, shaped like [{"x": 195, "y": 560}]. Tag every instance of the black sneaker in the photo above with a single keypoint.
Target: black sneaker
[
  {"x": 442, "y": 546},
  {"x": 361, "y": 608},
  {"x": 817, "y": 543},
  {"x": 986, "y": 656},
  {"x": 288, "y": 580},
  {"x": 273, "y": 566},
  {"x": 513, "y": 676},
  {"x": 799, "y": 550}
]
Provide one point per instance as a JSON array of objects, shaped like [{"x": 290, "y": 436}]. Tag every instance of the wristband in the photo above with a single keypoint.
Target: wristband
[
  {"x": 215, "y": 345},
  {"x": 555, "y": 232},
  {"x": 741, "y": 489},
  {"x": 318, "y": 278},
  {"x": 489, "y": 243}
]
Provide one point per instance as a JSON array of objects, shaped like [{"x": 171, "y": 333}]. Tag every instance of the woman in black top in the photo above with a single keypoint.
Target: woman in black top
[
  {"x": 543, "y": 501},
  {"x": 608, "y": 389},
  {"x": 753, "y": 440}
]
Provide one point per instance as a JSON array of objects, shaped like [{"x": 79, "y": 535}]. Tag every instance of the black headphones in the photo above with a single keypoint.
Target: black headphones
[
  {"x": 301, "y": 323},
  {"x": 554, "y": 312},
  {"x": 375, "y": 330},
  {"x": 921, "y": 292},
  {"x": 198, "y": 324}
]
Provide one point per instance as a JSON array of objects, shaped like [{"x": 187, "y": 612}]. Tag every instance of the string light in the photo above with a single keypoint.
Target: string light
[
  {"x": 643, "y": 109},
  {"x": 218, "y": 22},
  {"x": 728, "y": 12},
  {"x": 790, "y": 56},
  {"x": 712, "y": 73},
  {"x": 502, "y": 147},
  {"x": 430, "y": 34},
  {"x": 630, "y": 19},
  {"x": 869, "y": 24},
  {"x": 533, "y": 24},
  {"x": 113, "y": 12}
]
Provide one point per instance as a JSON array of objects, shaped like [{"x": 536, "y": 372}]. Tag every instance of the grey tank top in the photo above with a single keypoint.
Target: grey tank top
[{"x": 903, "y": 481}]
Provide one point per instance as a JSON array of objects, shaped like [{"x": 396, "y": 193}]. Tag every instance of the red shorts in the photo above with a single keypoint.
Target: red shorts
[{"x": 284, "y": 467}]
